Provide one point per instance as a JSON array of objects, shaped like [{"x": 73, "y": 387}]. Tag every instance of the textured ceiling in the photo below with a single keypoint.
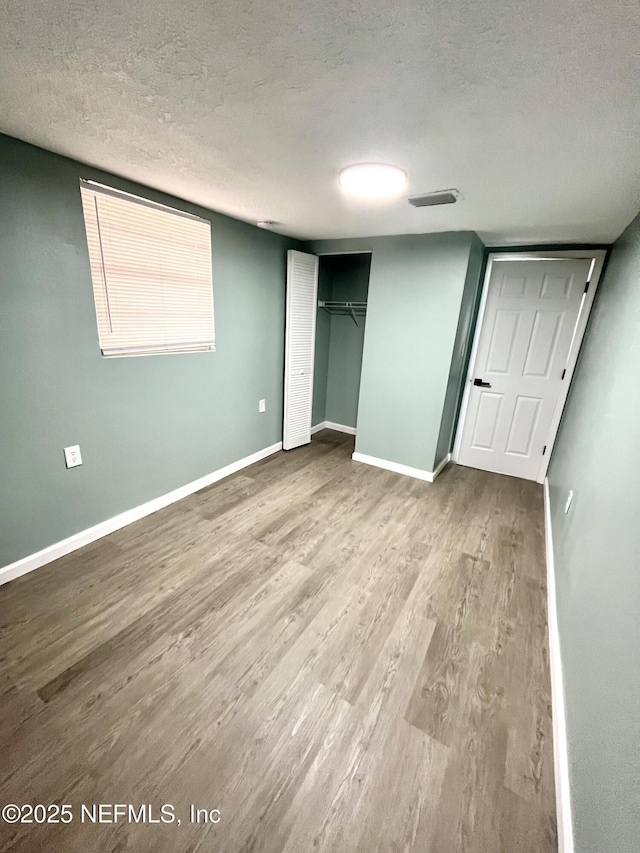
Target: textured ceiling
[{"x": 531, "y": 109}]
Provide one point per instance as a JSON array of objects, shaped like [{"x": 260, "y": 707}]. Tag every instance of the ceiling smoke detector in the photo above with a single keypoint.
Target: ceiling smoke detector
[{"x": 438, "y": 197}]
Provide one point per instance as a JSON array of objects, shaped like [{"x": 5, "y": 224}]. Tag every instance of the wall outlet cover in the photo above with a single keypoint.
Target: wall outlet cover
[{"x": 72, "y": 456}]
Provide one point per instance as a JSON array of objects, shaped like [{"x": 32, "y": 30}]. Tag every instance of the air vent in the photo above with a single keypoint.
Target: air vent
[{"x": 439, "y": 197}]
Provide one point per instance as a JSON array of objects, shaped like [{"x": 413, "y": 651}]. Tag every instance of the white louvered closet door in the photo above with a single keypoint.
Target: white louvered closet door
[{"x": 300, "y": 340}]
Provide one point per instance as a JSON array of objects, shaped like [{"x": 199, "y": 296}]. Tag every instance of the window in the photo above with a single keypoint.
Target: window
[{"x": 151, "y": 272}]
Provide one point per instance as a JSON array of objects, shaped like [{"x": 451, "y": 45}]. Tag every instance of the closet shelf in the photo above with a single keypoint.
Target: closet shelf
[{"x": 352, "y": 308}]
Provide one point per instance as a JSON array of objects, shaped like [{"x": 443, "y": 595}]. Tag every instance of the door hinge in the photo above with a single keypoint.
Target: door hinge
[
  {"x": 586, "y": 287},
  {"x": 544, "y": 449},
  {"x": 564, "y": 373}
]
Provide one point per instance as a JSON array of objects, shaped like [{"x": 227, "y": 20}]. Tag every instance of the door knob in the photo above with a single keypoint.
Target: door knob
[{"x": 481, "y": 383}]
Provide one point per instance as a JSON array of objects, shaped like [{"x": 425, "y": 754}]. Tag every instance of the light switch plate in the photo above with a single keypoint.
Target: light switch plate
[
  {"x": 262, "y": 405},
  {"x": 72, "y": 456},
  {"x": 568, "y": 503}
]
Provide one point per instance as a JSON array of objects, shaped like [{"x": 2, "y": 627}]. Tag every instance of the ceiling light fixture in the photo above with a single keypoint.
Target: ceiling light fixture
[{"x": 373, "y": 180}]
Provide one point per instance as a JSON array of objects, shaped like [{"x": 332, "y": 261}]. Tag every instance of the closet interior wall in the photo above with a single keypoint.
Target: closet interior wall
[{"x": 339, "y": 341}]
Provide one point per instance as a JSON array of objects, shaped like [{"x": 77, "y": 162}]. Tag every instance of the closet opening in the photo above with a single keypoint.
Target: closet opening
[{"x": 343, "y": 288}]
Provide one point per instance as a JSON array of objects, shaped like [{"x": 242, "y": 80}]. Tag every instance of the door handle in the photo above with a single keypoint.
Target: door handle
[{"x": 481, "y": 383}]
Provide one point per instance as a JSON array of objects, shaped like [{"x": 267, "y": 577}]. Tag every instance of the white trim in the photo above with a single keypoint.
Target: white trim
[
  {"x": 560, "y": 751},
  {"x": 330, "y": 425},
  {"x": 598, "y": 257},
  {"x": 350, "y": 252},
  {"x": 84, "y": 537},
  {"x": 442, "y": 466},
  {"x": 407, "y": 470},
  {"x": 340, "y": 427}
]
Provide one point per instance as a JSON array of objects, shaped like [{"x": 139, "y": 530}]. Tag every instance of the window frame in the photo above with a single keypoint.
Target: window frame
[{"x": 165, "y": 343}]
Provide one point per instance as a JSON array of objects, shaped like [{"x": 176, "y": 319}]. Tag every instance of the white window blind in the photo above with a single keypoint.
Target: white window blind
[{"x": 151, "y": 272}]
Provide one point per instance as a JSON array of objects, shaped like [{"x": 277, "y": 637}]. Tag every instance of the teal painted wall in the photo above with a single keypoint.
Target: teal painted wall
[
  {"x": 145, "y": 425},
  {"x": 339, "y": 342},
  {"x": 416, "y": 288},
  {"x": 350, "y": 282},
  {"x": 461, "y": 350},
  {"x": 597, "y": 562},
  {"x": 345, "y": 370},
  {"x": 321, "y": 356}
]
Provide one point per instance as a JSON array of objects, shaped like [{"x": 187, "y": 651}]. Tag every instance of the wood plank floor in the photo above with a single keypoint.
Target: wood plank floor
[{"x": 335, "y": 657}]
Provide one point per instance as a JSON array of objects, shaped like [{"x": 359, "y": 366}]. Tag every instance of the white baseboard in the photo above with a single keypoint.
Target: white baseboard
[
  {"x": 84, "y": 537},
  {"x": 331, "y": 425},
  {"x": 442, "y": 466},
  {"x": 407, "y": 470},
  {"x": 560, "y": 750},
  {"x": 340, "y": 427}
]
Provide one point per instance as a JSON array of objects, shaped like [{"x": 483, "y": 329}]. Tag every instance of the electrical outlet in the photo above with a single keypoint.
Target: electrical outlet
[
  {"x": 262, "y": 405},
  {"x": 568, "y": 503},
  {"x": 72, "y": 456}
]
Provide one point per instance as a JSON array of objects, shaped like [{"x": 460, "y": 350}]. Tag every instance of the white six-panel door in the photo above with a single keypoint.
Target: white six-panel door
[
  {"x": 300, "y": 340},
  {"x": 528, "y": 325}
]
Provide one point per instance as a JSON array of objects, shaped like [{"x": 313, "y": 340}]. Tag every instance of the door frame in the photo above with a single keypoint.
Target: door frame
[
  {"x": 597, "y": 258},
  {"x": 329, "y": 254}
]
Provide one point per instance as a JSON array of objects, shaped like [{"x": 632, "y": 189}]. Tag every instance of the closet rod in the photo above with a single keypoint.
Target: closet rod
[{"x": 353, "y": 308}]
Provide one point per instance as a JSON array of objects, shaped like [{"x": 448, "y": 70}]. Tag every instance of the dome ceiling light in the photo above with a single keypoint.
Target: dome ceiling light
[{"x": 373, "y": 180}]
